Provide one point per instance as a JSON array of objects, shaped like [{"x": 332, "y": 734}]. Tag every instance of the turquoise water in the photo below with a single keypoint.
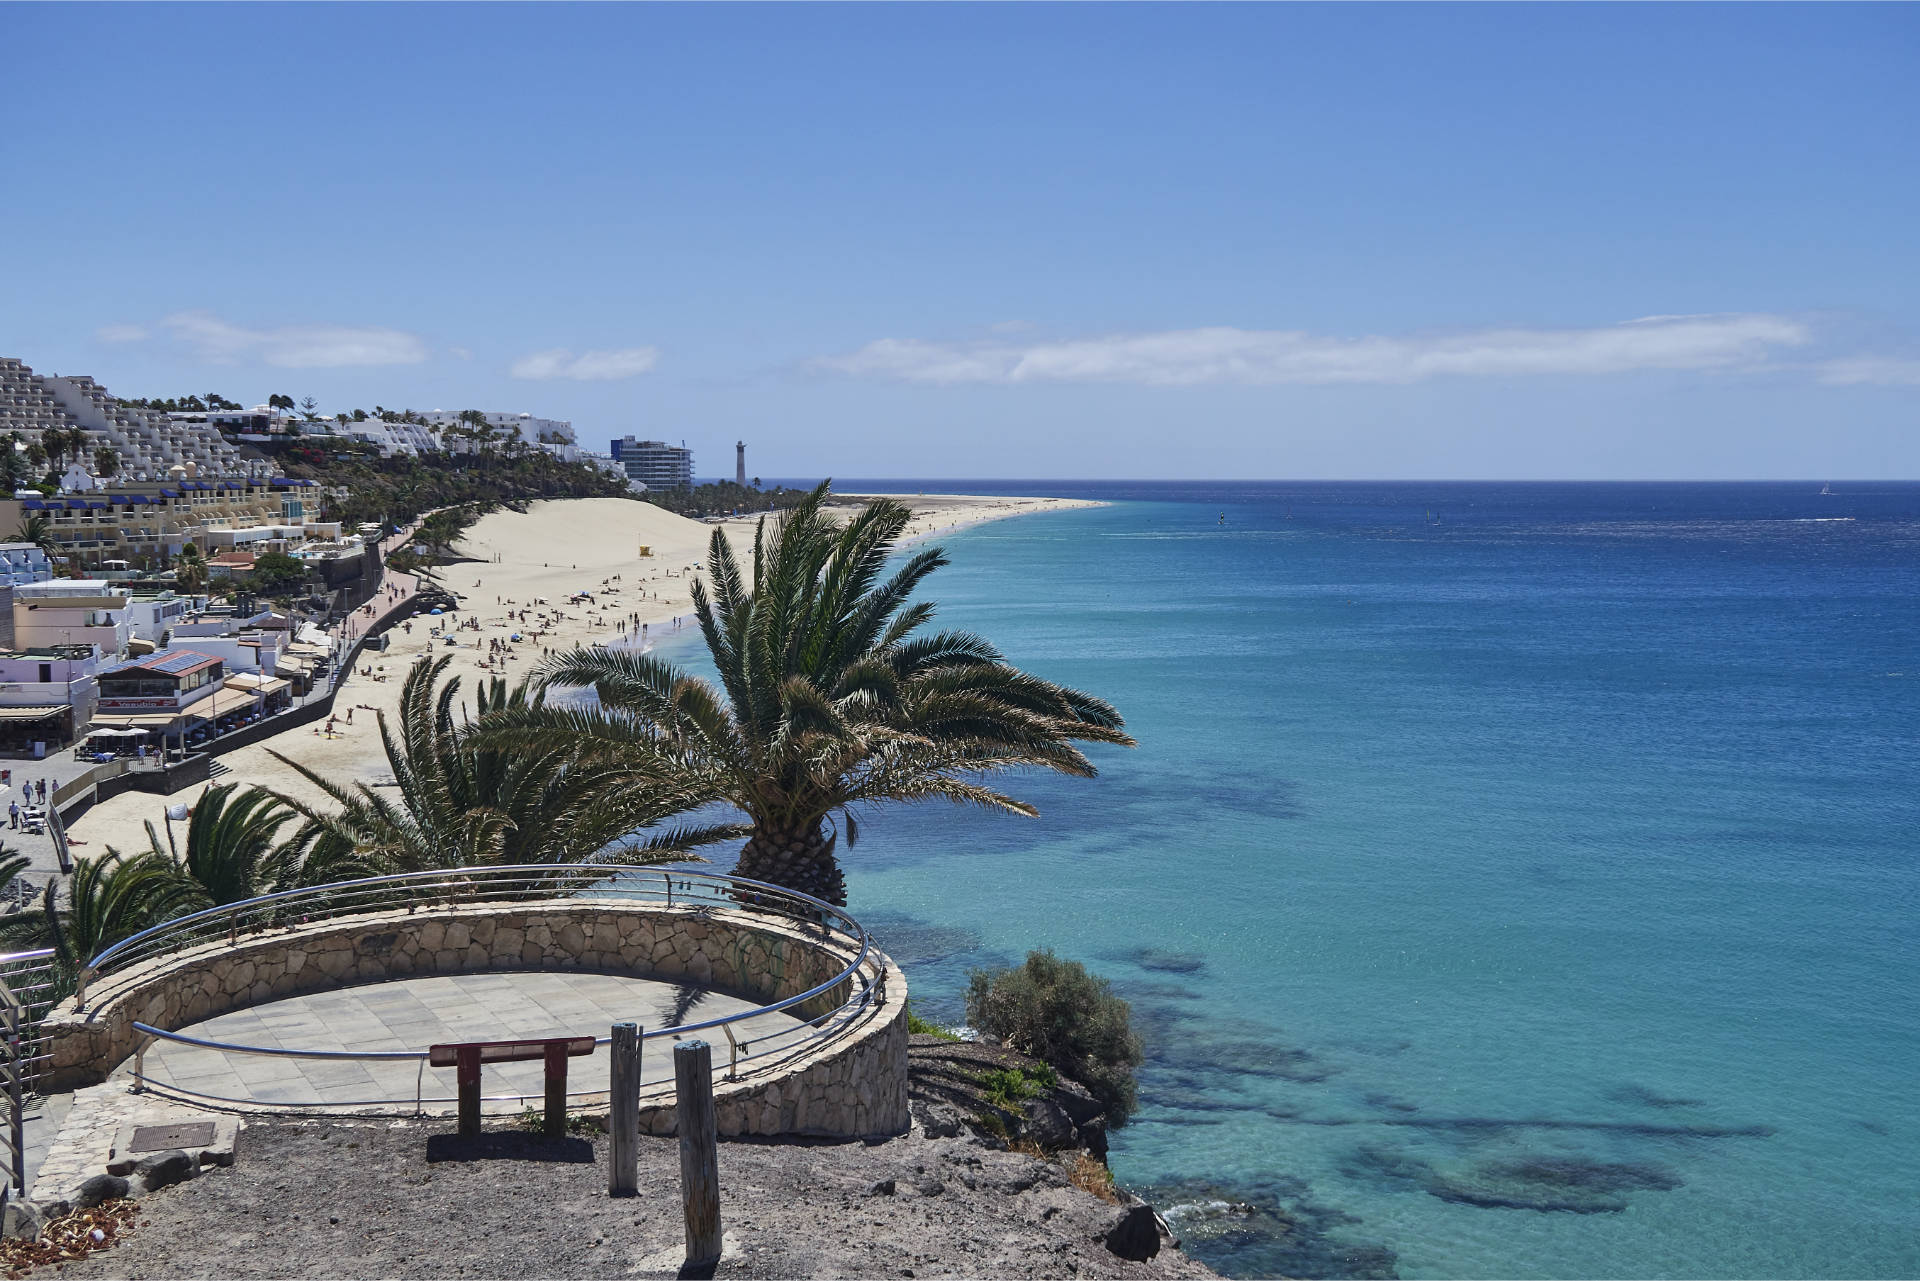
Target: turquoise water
[{"x": 1510, "y": 881}]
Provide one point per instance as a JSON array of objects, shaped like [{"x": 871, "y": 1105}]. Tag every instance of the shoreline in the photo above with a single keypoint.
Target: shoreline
[{"x": 557, "y": 548}]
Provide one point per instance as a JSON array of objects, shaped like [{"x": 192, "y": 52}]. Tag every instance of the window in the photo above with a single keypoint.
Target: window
[{"x": 46, "y": 673}]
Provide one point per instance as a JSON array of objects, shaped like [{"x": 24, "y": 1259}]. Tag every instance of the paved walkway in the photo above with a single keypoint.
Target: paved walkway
[
  {"x": 412, "y": 1014},
  {"x": 57, "y": 770}
]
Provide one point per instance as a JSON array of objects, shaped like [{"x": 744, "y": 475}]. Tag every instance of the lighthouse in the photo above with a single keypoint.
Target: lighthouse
[{"x": 740, "y": 463}]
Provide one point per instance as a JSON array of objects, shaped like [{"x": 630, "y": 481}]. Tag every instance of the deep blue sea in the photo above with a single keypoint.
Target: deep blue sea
[{"x": 1511, "y": 880}]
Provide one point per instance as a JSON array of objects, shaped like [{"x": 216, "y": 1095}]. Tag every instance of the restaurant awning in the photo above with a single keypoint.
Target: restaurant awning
[
  {"x": 29, "y": 713},
  {"x": 254, "y": 681},
  {"x": 151, "y": 720},
  {"x": 225, "y": 702}
]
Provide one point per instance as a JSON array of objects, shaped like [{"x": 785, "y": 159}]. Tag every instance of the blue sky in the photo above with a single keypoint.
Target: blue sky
[{"x": 1234, "y": 241}]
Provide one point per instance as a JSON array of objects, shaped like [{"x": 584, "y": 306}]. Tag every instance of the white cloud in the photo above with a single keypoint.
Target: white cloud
[
  {"x": 460, "y": 353},
  {"x": 1186, "y": 357},
  {"x": 120, "y": 333},
  {"x": 588, "y": 366},
  {"x": 294, "y": 346},
  {"x": 1880, "y": 371}
]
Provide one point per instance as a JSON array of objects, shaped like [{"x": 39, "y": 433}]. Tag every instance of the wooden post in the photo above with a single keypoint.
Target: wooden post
[
  {"x": 623, "y": 1112},
  {"x": 556, "y": 1065},
  {"x": 467, "y": 1075},
  {"x": 699, "y": 1149}
]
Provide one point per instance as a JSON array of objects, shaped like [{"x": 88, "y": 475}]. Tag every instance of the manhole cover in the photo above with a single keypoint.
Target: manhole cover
[{"x": 164, "y": 1138}]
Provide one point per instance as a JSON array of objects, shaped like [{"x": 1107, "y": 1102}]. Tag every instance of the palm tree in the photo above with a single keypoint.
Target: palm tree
[
  {"x": 440, "y": 531},
  {"x": 106, "y": 461},
  {"x": 38, "y": 530},
  {"x": 74, "y": 443},
  {"x": 232, "y": 848},
  {"x": 232, "y": 853},
  {"x": 190, "y": 570},
  {"x": 457, "y": 803},
  {"x": 829, "y": 701},
  {"x": 109, "y": 899}
]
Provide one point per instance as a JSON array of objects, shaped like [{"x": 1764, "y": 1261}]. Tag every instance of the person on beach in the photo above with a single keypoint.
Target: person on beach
[{"x": 13, "y": 814}]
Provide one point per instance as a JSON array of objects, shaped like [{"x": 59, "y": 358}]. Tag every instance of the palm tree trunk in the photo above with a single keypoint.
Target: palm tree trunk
[{"x": 799, "y": 858}]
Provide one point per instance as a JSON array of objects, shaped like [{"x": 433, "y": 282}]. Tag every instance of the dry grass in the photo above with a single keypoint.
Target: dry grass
[{"x": 1090, "y": 1175}]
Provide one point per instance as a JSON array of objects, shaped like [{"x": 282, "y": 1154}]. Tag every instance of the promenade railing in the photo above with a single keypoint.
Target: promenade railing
[
  {"x": 292, "y": 911},
  {"x": 29, "y": 984}
]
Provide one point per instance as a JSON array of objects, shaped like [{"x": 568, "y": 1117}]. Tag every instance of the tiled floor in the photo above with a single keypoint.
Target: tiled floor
[{"x": 412, "y": 1014}]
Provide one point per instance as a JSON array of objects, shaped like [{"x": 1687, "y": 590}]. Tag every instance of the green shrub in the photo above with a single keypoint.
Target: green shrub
[
  {"x": 1060, "y": 1014},
  {"x": 1007, "y": 1087},
  {"x": 917, "y": 1024}
]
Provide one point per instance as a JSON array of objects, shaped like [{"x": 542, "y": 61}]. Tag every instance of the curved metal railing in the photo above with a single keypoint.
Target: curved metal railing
[
  {"x": 29, "y": 984},
  {"x": 290, "y": 911}
]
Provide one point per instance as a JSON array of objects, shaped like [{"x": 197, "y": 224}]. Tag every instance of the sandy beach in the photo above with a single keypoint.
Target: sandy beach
[{"x": 511, "y": 563}]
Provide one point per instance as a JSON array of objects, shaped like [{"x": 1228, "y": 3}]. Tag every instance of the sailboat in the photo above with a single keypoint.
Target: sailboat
[{"x": 1826, "y": 490}]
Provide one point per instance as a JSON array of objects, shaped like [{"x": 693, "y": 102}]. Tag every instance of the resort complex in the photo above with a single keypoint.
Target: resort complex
[{"x": 75, "y": 418}]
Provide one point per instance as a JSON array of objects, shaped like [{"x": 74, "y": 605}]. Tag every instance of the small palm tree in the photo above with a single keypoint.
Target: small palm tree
[
  {"x": 190, "y": 569},
  {"x": 829, "y": 701},
  {"x": 108, "y": 899},
  {"x": 37, "y": 530},
  {"x": 458, "y": 803},
  {"x": 440, "y": 531},
  {"x": 13, "y": 864}
]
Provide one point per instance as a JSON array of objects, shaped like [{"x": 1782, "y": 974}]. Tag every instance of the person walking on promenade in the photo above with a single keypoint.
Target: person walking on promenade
[{"x": 13, "y": 815}]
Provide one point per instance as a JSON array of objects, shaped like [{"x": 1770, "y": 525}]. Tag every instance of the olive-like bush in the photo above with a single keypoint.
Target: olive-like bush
[{"x": 1065, "y": 1017}]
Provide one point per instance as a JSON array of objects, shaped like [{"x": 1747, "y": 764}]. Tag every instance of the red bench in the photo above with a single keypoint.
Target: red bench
[{"x": 468, "y": 1057}]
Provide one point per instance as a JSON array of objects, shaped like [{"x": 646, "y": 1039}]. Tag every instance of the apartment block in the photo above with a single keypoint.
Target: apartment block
[{"x": 654, "y": 464}]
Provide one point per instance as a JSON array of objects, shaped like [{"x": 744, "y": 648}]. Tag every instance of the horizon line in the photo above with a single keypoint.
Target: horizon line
[{"x": 1347, "y": 480}]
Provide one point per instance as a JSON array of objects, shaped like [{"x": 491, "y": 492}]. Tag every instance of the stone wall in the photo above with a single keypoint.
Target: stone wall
[{"x": 851, "y": 1080}]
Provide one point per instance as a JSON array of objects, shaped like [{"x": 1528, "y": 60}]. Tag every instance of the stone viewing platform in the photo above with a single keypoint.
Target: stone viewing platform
[
  {"x": 404, "y": 1014},
  {"x": 326, "y": 1001}
]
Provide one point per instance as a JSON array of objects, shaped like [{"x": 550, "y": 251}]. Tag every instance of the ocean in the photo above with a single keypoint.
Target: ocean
[{"x": 1512, "y": 879}]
